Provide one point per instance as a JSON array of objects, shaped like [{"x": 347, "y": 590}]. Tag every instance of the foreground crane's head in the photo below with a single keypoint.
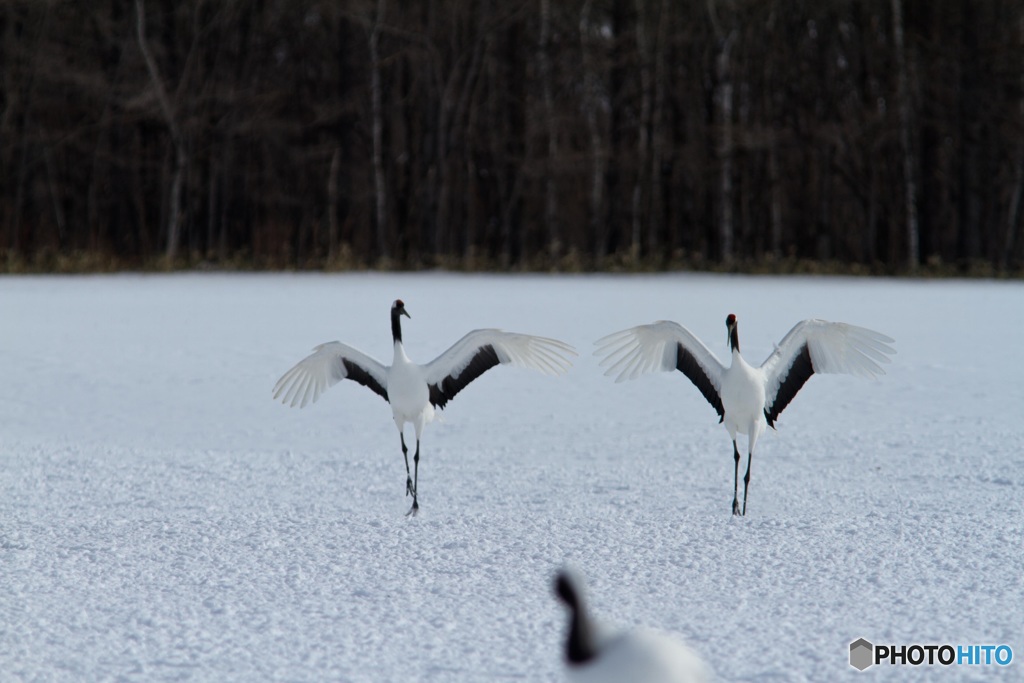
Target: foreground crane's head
[
  {"x": 398, "y": 308},
  {"x": 732, "y": 338},
  {"x": 580, "y": 644}
]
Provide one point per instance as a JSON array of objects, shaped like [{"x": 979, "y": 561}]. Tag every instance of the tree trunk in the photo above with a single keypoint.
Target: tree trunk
[
  {"x": 227, "y": 169},
  {"x": 643, "y": 126},
  {"x": 906, "y": 126},
  {"x": 658, "y": 142},
  {"x": 379, "y": 186},
  {"x": 775, "y": 182},
  {"x": 178, "y": 142},
  {"x": 598, "y": 152},
  {"x": 211, "y": 207},
  {"x": 332, "y": 206},
  {"x": 554, "y": 238},
  {"x": 726, "y": 147},
  {"x": 54, "y": 191}
]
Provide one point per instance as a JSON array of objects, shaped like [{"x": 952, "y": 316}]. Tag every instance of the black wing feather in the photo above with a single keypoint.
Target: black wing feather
[
  {"x": 445, "y": 390},
  {"x": 688, "y": 365},
  {"x": 799, "y": 372},
  {"x": 356, "y": 373}
]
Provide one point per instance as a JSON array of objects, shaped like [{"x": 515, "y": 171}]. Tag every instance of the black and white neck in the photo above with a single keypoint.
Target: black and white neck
[
  {"x": 397, "y": 311},
  {"x": 734, "y": 336},
  {"x": 581, "y": 642}
]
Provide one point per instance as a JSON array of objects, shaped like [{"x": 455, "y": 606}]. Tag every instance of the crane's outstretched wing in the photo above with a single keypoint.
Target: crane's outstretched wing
[
  {"x": 663, "y": 346},
  {"x": 820, "y": 346},
  {"x": 481, "y": 350},
  {"x": 326, "y": 366}
]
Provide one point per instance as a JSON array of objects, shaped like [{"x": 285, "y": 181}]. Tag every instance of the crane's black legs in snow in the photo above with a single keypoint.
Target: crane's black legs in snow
[
  {"x": 736, "y": 510},
  {"x": 736, "y": 480},
  {"x": 412, "y": 478},
  {"x": 416, "y": 480},
  {"x": 409, "y": 491},
  {"x": 746, "y": 482}
]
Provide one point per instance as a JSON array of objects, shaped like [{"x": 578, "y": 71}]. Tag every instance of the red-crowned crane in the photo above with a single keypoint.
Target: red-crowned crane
[
  {"x": 595, "y": 654},
  {"x": 413, "y": 390},
  {"x": 746, "y": 398}
]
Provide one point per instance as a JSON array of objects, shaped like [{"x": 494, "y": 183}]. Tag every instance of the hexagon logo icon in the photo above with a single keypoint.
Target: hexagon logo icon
[{"x": 862, "y": 654}]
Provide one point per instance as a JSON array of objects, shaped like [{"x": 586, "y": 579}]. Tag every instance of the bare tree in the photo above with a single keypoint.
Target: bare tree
[
  {"x": 774, "y": 125},
  {"x": 903, "y": 98},
  {"x": 726, "y": 147},
  {"x": 177, "y": 138},
  {"x": 332, "y": 205},
  {"x": 643, "y": 124},
  {"x": 554, "y": 242},
  {"x": 379, "y": 182},
  {"x": 659, "y": 143},
  {"x": 593, "y": 99}
]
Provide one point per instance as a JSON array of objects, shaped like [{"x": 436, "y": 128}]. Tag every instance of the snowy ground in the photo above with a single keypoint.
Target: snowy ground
[{"x": 161, "y": 518}]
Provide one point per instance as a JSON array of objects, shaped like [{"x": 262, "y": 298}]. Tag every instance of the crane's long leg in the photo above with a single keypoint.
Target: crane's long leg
[
  {"x": 736, "y": 480},
  {"x": 408, "y": 477},
  {"x": 416, "y": 480},
  {"x": 746, "y": 481}
]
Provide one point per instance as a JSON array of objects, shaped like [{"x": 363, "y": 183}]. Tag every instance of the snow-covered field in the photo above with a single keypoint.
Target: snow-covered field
[{"x": 161, "y": 518}]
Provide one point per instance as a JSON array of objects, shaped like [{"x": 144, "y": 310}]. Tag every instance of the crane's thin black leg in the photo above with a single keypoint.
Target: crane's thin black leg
[
  {"x": 408, "y": 476},
  {"x": 746, "y": 481},
  {"x": 416, "y": 480},
  {"x": 736, "y": 479}
]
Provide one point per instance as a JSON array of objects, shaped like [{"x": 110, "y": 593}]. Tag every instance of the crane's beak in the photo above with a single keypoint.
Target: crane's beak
[{"x": 405, "y": 313}]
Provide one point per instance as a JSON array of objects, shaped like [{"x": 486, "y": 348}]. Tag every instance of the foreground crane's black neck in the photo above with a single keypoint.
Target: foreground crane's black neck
[
  {"x": 580, "y": 645},
  {"x": 397, "y": 309},
  {"x": 734, "y": 335}
]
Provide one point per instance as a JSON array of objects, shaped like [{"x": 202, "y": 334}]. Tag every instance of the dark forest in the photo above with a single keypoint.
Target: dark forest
[{"x": 881, "y": 136}]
